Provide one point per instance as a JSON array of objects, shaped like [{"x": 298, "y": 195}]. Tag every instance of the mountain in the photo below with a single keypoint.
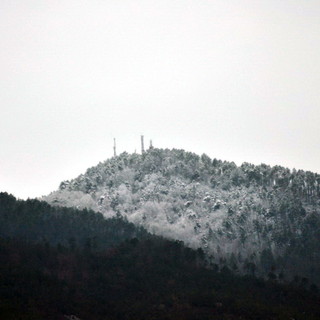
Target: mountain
[{"x": 254, "y": 219}]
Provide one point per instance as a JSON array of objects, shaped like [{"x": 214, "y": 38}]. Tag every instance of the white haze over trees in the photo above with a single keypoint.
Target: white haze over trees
[{"x": 237, "y": 80}]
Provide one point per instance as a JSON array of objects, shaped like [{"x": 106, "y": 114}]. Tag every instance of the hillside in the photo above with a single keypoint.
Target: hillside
[
  {"x": 149, "y": 279},
  {"x": 257, "y": 219},
  {"x": 111, "y": 270},
  {"x": 34, "y": 221}
]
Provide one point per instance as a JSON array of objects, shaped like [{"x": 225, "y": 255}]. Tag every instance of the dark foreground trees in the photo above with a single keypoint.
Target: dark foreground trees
[
  {"x": 133, "y": 276},
  {"x": 138, "y": 279}
]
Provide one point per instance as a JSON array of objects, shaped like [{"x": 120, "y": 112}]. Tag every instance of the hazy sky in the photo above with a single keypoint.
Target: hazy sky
[{"x": 237, "y": 80}]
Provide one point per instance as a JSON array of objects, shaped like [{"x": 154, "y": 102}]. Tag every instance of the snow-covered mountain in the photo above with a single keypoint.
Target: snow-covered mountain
[{"x": 258, "y": 219}]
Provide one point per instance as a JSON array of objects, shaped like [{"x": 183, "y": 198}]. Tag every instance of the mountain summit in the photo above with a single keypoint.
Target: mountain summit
[{"x": 258, "y": 219}]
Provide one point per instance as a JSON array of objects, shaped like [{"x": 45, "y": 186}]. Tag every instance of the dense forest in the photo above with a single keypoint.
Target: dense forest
[
  {"x": 249, "y": 216},
  {"x": 37, "y": 222},
  {"x": 59, "y": 263}
]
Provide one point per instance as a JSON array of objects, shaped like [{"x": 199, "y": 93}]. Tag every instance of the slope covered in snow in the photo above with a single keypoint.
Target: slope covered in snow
[{"x": 257, "y": 219}]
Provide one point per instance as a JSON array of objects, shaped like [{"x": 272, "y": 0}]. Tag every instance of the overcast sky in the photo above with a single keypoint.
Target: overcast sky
[{"x": 237, "y": 80}]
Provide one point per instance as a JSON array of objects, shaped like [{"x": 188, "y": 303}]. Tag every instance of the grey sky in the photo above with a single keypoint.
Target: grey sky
[{"x": 237, "y": 80}]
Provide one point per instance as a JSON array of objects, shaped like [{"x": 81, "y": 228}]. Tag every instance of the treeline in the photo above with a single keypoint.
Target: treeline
[{"x": 193, "y": 167}]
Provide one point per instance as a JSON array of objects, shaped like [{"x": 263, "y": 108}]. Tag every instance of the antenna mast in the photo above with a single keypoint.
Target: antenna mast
[
  {"x": 114, "y": 147},
  {"x": 142, "y": 145}
]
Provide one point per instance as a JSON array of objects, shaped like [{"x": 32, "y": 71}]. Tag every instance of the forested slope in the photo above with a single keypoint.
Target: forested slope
[
  {"x": 247, "y": 217},
  {"x": 35, "y": 221},
  {"x": 112, "y": 270}
]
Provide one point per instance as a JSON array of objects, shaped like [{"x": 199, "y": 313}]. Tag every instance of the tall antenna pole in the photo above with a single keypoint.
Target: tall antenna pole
[
  {"x": 142, "y": 145},
  {"x": 151, "y": 146},
  {"x": 114, "y": 147}
]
